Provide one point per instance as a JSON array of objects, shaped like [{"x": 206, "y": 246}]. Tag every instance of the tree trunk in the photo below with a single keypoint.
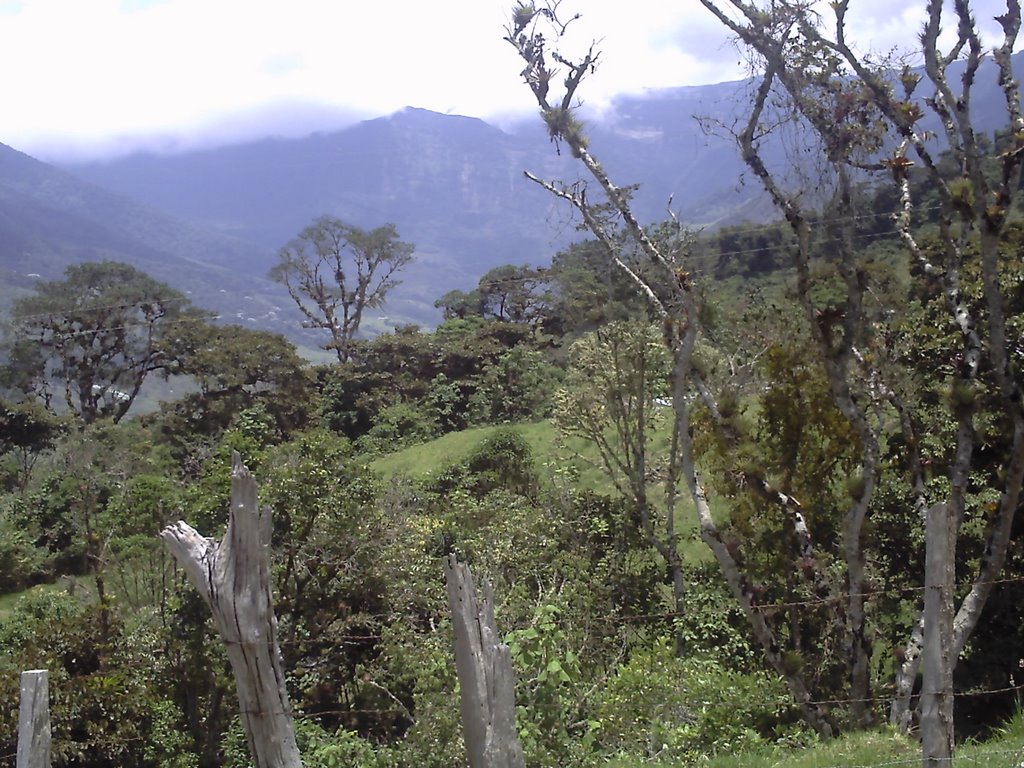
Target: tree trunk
[
  {"x": 738, "y": 583},
  {"x": 233, "y": 576},
  {"x": 486, "y": 679},
  {"x": 34, "y": 720},
  {"x": 900, "y": 714}
]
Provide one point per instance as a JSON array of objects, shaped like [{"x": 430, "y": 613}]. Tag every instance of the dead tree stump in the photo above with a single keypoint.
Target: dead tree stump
[
  {"x": 233, "y": 576},
  {"x": 34, "y": 720},
  {"x": 486, "y": 679}
]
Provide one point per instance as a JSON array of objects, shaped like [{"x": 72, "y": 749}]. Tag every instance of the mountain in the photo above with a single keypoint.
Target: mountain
[
  {"x": 50, "y": 218},
  {"x": 452, "y": 185}
]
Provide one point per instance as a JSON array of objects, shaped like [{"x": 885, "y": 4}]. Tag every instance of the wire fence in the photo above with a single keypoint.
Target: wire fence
[
  {"x": 350, "y": 716},
  {"x": 970, "y": 754}
]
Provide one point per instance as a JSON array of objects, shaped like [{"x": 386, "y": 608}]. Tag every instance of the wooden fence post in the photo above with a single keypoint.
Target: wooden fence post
[
  {"x": 233, "y": 576},
  {"x": 486, "y": 679},
  {"x": 34, "y": 720}
]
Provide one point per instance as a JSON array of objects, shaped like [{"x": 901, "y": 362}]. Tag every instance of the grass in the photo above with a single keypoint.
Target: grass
[
  {"x": 82, "y": 585},
  {"x": 868, "y": 749},
  {"x": 558, "y": 460},
  {"x": 421, "y": 461}
]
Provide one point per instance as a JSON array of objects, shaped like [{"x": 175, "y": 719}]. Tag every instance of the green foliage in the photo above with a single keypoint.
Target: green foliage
[
  {"x": 396, "y": 426},
  {"x": 514, "y": 293},
  {"x": 515, "y": 387},
  {"x": 102, "y": 692},
  {"x": 91, "y": 468},
  {"x": 328, "y": 568},
  {"x": 318, "y": 747},
  {"x": 713, "y": 625},
  {"x": 446, "y": 404},
  {"x": 350, "y": 400},
  {"x": 582, "y": 598},
  {"x": 97, "y": 334},
  {"x": 589, "y": 291},
  {"x": 609, "y": 398},
  {"x": 22, "y": 562},
  {"x": 502, "y": 460},
  {"x": 459, "y": 304},
  {"x": 235, "y": 369},
  {"x": 408, "y": 386},
  {"x": 143, "y": 505},
  {"x": 26, "y": 430},
  {"x": 661, "y": 707},
  {"x": 549, "y": 673}
]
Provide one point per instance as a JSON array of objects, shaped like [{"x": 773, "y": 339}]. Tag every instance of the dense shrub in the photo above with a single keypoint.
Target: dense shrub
[{"x": 658, "y": 706}]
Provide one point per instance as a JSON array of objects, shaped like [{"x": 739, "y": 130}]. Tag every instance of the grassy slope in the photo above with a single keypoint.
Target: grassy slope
[
  {"x": 84, "y": 586},
  {"x": 549, "y": 450},
  {"x": 558, "y": 460}
]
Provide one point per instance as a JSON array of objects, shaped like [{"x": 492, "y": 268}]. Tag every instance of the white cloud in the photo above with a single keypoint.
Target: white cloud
[{"x": 95, "y": 71}]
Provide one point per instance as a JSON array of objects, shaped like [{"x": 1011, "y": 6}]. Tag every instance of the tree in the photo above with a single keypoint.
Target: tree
[
  {"x": 335, "y": 271},
  {"x": 845, "y": 107},
  {"x": 587, "y": 291},
  {"x": 97, "y": 334},
  {"x": 514, "y": 293},
  {"x": 511, "y": 293},
  {"x": 616, "y": 377},
  {"x": 460, "y": 304},
  {"x": 26, "y": 429},
  {"x": 237, "y": 368}
]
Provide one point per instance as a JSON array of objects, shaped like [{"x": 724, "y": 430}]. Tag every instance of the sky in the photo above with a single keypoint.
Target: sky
[{"x": 87, "y": 78}]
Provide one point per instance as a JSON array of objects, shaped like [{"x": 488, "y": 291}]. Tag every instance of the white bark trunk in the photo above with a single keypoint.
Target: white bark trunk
[
  {"x": 233, "y": 576},
  {"x": 486, "y": 679},
  {"x": 900, "y": 713},
  {"x": 34, "y": 720}
]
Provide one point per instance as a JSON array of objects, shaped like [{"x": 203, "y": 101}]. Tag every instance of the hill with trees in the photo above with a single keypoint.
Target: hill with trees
[{"x": 740, "y": 498}]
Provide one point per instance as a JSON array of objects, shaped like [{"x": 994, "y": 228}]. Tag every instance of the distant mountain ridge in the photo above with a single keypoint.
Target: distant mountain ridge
[
  {"x": 50, "y": 218},
  {"x": 452, "y": 185},
  {"x": 211, "y": 221}
]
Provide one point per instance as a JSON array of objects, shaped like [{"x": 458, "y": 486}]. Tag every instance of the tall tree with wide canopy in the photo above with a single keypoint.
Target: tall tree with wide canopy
[
  {"x": 334, "y": 271},
  {"x": 95, "y": 336}
]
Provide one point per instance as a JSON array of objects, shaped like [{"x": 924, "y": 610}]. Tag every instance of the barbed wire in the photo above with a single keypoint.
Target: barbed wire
[
  {"x": 560, "y": 620},
  {"x": 971, "y": 753}
]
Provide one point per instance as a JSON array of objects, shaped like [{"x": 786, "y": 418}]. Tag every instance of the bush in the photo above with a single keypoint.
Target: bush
[
  {"x": 319, "y": 748},
  {"x": 502, "y": 461},
  {"x": 397, "y": 426},
  {"x": 660, "y": 706},
  {"x": 22, "y": 563},
  {"x": 516, "y": 387}
]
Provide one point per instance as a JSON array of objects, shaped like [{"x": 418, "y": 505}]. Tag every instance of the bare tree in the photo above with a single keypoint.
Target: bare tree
[
  {"x": 848, "y": 108},
  {"x": 335, "y": 271},
  {"x": 233, "y": 577}
]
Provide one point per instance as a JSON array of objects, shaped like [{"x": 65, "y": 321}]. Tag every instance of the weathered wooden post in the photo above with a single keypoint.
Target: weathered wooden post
[
  {"x": 233, "y": 576},
  {"x": 486, "y": 679},
  {"x": 34, "y": 720}
]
